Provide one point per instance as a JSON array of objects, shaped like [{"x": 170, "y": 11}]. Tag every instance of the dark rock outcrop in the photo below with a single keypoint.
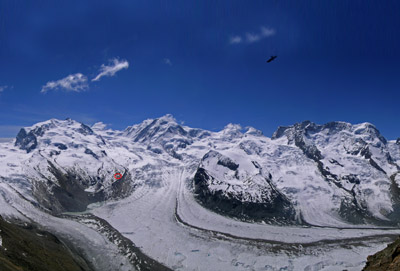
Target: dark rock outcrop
[
  {"x": 85, "y": 130},
  {"x": 230, "y": 196},
  {"x": 26, "y": 141},
  {"x": 60, "y": 146},
  {"x": 26, "y": 247},
  {"x": 385, "y": 260},
  {"x": 277, "y": 210},
  {"x": 69, "y": 193}
]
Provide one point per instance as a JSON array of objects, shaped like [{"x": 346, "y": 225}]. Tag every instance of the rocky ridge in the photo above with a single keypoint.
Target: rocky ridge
[{"x": 64, "y": 165}]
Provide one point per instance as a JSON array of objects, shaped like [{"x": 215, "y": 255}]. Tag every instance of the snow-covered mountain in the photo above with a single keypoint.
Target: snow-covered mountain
[
  {"x": 240, "y": 188},
  {"x": 356, "y": 161},
  {"x": 194, "y": 191},
  {"x": 328, "y": 174}
]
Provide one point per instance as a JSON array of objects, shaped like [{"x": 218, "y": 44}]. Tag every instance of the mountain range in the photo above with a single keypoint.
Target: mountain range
[
  {"x": 308, "y": 175},
  {"x": 353, "y": 170}
]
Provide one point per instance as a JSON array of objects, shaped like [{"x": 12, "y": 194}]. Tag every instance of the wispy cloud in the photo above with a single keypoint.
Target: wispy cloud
[
  {"x": 74, "y": 82},
  {"x": 2, "y": 88},
  {"x": 267, "y": 31},
  {"x": 235, "y": 40},
  {"x": 250, "y": 37},
  {"x": 112, "y": 68},
  {"x": 79, "y": 82},
  {"x": 167, "y": 61}
]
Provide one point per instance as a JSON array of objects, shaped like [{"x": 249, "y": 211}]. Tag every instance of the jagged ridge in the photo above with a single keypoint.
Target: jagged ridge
[{"x": 318, "y": 174}]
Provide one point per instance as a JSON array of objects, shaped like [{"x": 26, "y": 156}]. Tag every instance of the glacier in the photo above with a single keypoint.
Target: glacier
[{"x": 311, "y": 197}]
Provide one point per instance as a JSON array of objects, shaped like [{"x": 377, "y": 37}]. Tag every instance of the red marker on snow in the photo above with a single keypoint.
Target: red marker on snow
[{"x": 117, "y": 176}]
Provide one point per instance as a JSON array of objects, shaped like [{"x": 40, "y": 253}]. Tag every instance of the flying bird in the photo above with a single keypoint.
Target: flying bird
[{"x": 271, "y": 58}]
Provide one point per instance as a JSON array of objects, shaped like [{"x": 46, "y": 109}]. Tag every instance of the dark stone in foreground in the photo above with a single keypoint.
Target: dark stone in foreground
[
  {"x": 25, "y": 247},
  {"x": 387, "y": 259}
]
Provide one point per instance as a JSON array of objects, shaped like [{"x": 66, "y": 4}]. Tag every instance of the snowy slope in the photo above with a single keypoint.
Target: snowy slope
[
  {"x": 181, "y": 185},
  {"x": 355, "y": 160},
  {"x": 231, "y": 183},
  {"x": 351, "y": 169}
]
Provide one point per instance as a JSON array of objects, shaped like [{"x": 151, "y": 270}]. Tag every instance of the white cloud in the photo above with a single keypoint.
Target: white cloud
[
  {"x": 250, "y": 37},
  {"x": 253, "y": 37},
  {"x": 74, "y": 82},
  {"x": 267, "y": 31},
  {"x": 79, "y": 82},
  {"x": 111, "y": 69},
  {"x": 235, "y": 40},
  {"x": 2, "y": 88},
  {"x": 167, "y": 61}
]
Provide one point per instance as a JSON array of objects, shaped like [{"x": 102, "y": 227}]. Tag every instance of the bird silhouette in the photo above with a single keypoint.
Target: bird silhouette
[{"x": 271, "y": 58}]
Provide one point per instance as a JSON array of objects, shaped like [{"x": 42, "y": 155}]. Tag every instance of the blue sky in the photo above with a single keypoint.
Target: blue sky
[{"x": 201, "y": 61}]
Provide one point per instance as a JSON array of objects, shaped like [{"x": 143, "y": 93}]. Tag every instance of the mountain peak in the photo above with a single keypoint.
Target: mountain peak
[
  {"x": 53, "y": 123},
  {"x": 232, "y": 127},
  {"x": 369, "y": 130},
  {"x": 167, "y": 118},
  {"x": 153, "y": 129},
  {"x": 253, "y": 131},
  {"x": 232, "y": 131},
  {"x": 283, "y": 130},
  {"x": 99, "y": 126},
  {"x": 304, "y": 124},
  {"x": 332, "y": 127},
  {"x": 28, "y": 137}
]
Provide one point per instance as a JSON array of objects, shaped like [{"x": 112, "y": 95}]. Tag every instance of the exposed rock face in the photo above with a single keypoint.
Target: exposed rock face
[
  {"x": 385, "y": 260},
  {"x": 224, "y": 185},
  {"x": 85, "y": 173},
  {"x": 70, "y": 193},
  {"x": 325, "y": 143},
  {"x": 26, "y": 141},
  {"x": 25, "y": 247}
]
